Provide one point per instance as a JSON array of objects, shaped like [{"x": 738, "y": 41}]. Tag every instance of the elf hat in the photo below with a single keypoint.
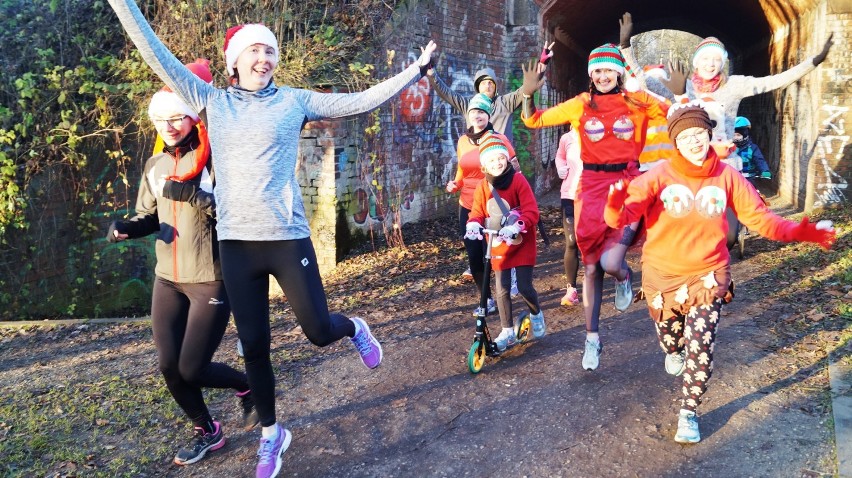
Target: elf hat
[
  {"x": 491, "y": 145},
  {"x": 481, "y": 101},
  {"x": 240, "y": 37},
  {"x": 709, "y": 44},
  {"x": 167, "y": 104},
  {"x": 606, "y": 57}
]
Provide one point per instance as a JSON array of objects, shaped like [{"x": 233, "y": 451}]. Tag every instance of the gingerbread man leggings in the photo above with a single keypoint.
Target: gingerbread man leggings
[{"x": 694, "y": 334}]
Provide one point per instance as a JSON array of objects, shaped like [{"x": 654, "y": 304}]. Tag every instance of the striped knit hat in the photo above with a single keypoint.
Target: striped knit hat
[
  {"x": 708, "y": 44},
  {"x": 481, "y": 101},
  {"x": 491, "y": 145},
  {"x": 608, "y": 57}
]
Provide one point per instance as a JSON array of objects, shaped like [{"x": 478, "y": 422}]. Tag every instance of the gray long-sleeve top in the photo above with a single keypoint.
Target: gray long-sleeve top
[
  {"x": 254, "y": 136},
  {"x": 729, "y": 94}
]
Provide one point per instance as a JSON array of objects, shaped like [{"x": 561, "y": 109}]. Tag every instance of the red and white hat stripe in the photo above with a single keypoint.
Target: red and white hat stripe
[{"x": 240, "y": 37}]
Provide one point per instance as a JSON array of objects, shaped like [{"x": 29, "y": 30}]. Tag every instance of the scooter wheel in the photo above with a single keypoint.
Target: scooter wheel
[
  {"x": 476, "y": 356},
  {"x": 524, "y": 332}
]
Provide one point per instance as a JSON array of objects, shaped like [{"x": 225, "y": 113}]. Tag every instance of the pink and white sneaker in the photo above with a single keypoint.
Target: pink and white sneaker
[
  {"x": 367, "y": 345},
  {"x": 571, "y": 297}
]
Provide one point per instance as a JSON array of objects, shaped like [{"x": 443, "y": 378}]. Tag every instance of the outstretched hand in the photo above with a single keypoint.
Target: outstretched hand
[
  {"x": 821, "y": 233},
  {"x": 677, "y": 78},
  {"x": 546, "y": 53},
  {"x": 533, "y": 78},
  {"x": 820, "y": 57},
  {"x": 426, "y": 53},
  {"x": 625, "y": 30}
]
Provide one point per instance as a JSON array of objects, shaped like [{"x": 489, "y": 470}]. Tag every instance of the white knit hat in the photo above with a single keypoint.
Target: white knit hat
[{"x": 240, "y": 37}]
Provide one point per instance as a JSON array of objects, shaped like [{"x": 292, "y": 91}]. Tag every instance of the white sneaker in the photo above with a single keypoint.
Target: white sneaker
[
  {"x": 492, "y": 308},
  {"x": 514, "y": 290},
  {"x": 675, "y": 363},
  {"x": 624, "y": 292},
  {"x": 687, "y": 427},
  {"x": 592, "y": 355},
  {"x": 506, "y": 339},
  {"x": 538, "y": 325}
]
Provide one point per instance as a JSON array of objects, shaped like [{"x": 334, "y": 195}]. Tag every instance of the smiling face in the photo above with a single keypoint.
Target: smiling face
[
  {"x": 694, "y": 144},
  {"x": 708, "y": 63},
  {"x": 478, "y": 119},
  {"x": 255, "y": 66},
  {"x": 604, "y": 79},
  {"x": 495, "y": 163},
  {"x": 173, "y": 128},
  {"x": 488, "y": 87}
]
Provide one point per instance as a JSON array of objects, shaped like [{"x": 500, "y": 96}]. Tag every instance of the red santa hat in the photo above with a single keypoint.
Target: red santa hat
[
  {"x": 167, "y": 104},
  {"x": 656, "y": 71},
  {"x": 240, "y": 37}
]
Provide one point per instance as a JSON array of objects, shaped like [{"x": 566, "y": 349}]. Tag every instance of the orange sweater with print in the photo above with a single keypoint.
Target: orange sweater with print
[
  {"x": 685, "y": 214},
  {"x": 612, "y": 133}
]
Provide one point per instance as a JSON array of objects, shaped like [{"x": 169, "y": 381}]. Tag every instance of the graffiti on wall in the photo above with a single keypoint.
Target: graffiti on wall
[{"x": 832, "y": 187}]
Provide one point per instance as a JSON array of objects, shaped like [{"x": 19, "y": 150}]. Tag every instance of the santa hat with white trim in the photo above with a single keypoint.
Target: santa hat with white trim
[
  {"x": 240, "y": 37},
  {"x": 167, "y": 104}
]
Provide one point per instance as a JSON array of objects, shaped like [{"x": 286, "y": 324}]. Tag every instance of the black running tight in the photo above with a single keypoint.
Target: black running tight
[
  {"x": 246, "y": 267},
  {"x": 571, "y": 259},
  {"x": 188, "y": 322},
  {"x": 475, "y": 253}
]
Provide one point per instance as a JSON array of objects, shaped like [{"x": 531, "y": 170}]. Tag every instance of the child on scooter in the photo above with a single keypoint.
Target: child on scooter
[{"x": 504, "y": 201}]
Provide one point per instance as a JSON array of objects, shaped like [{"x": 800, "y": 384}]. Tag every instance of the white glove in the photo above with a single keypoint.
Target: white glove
[
  {"x": 473, "y": 231},
  {"x": 426, "y": 53},
  {"x": 825, "y": 225},
  {"x": 562, "y": 171},
  {"x": 507, "y": 233}
]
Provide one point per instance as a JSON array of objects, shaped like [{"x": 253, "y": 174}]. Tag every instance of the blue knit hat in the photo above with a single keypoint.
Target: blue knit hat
[{"x": 481, "y": 101}]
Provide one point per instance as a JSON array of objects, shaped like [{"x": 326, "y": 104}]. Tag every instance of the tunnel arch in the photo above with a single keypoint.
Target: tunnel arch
[{"x": 762, "y": 37}]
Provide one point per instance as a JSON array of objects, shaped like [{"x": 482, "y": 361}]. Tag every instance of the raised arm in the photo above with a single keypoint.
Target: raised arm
[
  {"x": 194, "y": 91},
  {"x": 456, "y": 100},
  {"x": 337, "y": 105}
]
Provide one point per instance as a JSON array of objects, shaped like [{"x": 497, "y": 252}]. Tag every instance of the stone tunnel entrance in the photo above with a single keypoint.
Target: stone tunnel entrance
[{"x": 800, "y": 129}]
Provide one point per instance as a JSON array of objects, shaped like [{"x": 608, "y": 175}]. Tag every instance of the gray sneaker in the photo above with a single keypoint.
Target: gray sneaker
[
  {"x": 687, "y": 427},
  {"x": 592, "y": 355},
  {"x": 675, "y": 363},
  {"x": 624, "y": 292}
]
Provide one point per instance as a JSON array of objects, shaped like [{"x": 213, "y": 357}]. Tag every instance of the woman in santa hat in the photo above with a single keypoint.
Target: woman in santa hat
[
  {"x": 254, "y": 128},
  {"x": 611, "y": 123},
  {"x": 189, "y": 306}
]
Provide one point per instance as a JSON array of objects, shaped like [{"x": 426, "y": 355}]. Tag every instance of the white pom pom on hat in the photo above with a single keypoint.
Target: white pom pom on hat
[
  {"x": 167, "y": 104},
  {"x": 240, "y": 37}
]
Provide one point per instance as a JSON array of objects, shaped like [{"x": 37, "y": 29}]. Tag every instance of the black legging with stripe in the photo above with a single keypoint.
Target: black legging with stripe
[
  {"x": 246, "y": 267},
  {"x": 188, "y": 322}
]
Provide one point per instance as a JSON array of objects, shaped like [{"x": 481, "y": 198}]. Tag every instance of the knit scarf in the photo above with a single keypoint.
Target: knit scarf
[
  {"x": 504, "y": 180},
  {"x": 687, "y": 168},
  {"x": 475, "y": 137},
  {"x": 700, "y": 85},
  {"x": 196, "y": 140}
]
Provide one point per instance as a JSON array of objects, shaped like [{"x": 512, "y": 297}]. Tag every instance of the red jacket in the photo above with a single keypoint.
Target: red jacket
[{"x": 518, "y": 196}]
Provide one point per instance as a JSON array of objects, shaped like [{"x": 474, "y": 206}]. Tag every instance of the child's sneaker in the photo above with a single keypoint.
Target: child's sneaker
[
  {"x": 467, "y": 274},
  {"x": 592, "y": 355},
  {"x": 201, "y": 444},
  {"x": 506, "y": 339},
  {"x": 624, "y": 292},
  {"x": 250, "y": 416},
  {"x": 514, "y": 290},
  {"x": 571, "y": 297},
  {"x": 675, "y": 363},
  {"x": 687, "y": 427},
  {"x": 367, "y": 345},
  {"x": 269, "y": 453},
  {"x": 538, "y": 326},
  {"x": 492, "y": 307}
]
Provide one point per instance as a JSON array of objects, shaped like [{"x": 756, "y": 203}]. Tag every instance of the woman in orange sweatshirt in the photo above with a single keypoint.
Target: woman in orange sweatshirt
[{"x": 684, "y": 202}]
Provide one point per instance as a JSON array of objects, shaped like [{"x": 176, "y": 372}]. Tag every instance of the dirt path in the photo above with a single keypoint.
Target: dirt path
[{"x": 533, "y": 412}]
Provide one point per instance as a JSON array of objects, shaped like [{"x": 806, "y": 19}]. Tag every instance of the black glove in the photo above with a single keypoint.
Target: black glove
[
  {"x": 677, "y": 79},
  {"x": 180, "y": 191},
  {"x": 532, "y": 79},
  {"x": 116, "y": 226},
  {"x": 625, "y": 30},
  {"x": 824, "y": 53}
]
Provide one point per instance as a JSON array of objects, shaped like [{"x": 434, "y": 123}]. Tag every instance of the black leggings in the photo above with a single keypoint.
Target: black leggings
[
  {"x": 246, "y": 267},
  {"x": 571, "y": 259},
  {"x": 188, "y": 322},
  {"x": 475, "y": 253}
]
